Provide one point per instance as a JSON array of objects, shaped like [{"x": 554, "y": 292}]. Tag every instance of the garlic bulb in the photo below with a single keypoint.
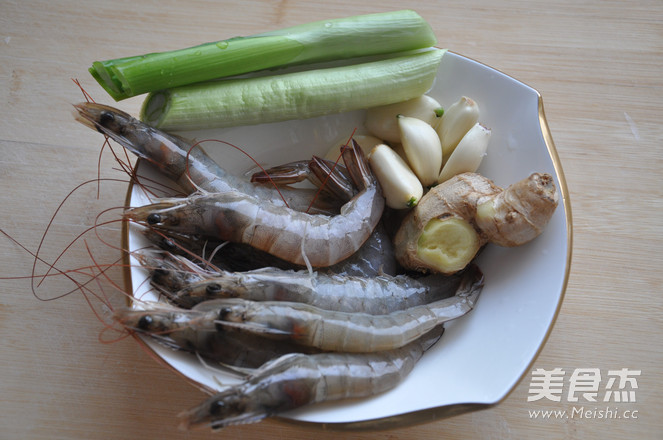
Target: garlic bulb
[
  {"x": 422, "y": 148},
  {"x": 469, "y": 153},
  {"x": 455, "y": 122},
  {"x": 400, "y": 187},
  {"x": 381, "y": 121}
]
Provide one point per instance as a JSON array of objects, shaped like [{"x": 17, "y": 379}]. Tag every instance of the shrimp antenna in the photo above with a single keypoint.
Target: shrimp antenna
[{"x": 244, "y": 153}]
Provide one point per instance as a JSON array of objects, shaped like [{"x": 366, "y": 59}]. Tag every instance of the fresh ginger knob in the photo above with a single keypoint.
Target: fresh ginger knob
[{"x": 455, "y": 219}]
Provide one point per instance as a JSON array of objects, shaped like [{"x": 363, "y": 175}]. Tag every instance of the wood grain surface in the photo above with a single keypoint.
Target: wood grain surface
[{"x": 598, "y": 67}]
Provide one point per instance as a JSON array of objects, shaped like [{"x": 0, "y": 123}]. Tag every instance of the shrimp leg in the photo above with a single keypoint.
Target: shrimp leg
[{"x": 296, "y": 380}]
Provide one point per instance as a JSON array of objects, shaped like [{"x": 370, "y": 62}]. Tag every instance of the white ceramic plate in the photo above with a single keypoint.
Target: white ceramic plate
[{"x": 482, "y": 356}]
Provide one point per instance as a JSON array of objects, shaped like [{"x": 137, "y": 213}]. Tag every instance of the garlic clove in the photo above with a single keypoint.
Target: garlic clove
[
  {"x": 469, "y": 153},
  {"x": 381, "y": 121},
  {"x": 457, "y": 120},
  {"x": 400, "y": 187},
  {"x": 422, "y": 148}
]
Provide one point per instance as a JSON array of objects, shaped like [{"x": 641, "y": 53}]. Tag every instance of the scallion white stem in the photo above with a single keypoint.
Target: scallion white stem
[{"x": 295, "y": 95}]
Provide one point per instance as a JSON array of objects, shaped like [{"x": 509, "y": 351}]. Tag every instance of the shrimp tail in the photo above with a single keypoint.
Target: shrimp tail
[
  {"x": 471, "y": 284},
  {"x": 291, "y": 172},
  {"x": 431, "y": 338},
  {"x": 331, "y": 178},
  {"x": 360, "y": 172}
]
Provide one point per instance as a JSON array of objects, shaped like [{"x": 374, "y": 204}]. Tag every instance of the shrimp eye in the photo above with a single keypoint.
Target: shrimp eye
[
  {"x": 168, "y": 243},
  {"x": 225, "y": 312},
  {"x": 159, "y": 274},
  {"x": 145, "y": 322},
  {"x": 153, "y": 219},
  {"x": 106, "y": 118},
  {"x": 216, "y": 407},
  {"x": 213, "y": 289}
]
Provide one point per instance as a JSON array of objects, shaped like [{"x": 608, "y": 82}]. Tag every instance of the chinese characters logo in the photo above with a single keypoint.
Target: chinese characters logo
[{"x": 584, "y": 383}]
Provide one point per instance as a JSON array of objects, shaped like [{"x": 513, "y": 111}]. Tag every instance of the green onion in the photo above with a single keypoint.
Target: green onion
[
  {"x": 295, "y": 95},
  {"x": 327, "y": 40}
]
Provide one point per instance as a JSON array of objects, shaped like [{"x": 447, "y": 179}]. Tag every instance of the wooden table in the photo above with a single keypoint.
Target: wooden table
[{"x": 598, "y": 66}]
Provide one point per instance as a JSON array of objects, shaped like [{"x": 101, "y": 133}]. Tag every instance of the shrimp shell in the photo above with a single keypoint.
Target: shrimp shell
[
  {"x": 341, "y": 331},
  {"x": 375, "y": 257},
  {"x": 296, "y": 380},
  {"x": 377, "y": 295}
]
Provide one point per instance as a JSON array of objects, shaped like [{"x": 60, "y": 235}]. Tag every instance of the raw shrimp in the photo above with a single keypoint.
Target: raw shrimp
[
  {"x": 342, "y": 293},
  {"x": 341, "y": 331},
  {"x": 297, "y": 237},
  {"x": 296, "y": 380},
  {"x": 190, "y": 167},
  {"x": 375, "y": 257},
  {"x": 172, "y": 271},
  {"x": 193, "y": 331}
]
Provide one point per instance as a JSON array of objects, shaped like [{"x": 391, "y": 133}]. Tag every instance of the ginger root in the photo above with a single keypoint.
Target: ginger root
[{"x": 444, "y": 232}]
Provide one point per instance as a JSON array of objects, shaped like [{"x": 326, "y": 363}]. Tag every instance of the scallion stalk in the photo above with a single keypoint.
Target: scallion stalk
[
  {"x": 295, "y": 95},
  {"x": 344, "y": 38}
]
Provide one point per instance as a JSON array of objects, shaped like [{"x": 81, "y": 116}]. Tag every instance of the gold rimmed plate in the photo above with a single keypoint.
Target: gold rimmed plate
[{"x": 483, "y": 355}]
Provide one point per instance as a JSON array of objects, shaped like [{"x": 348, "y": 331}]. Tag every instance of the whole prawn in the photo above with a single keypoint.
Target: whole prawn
[
  {"x": 377, "y": 295},
  {"x": 294, "y": 236},
  {"x": 295, "y": 380},
  {"x": 375, "y": 257}
]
